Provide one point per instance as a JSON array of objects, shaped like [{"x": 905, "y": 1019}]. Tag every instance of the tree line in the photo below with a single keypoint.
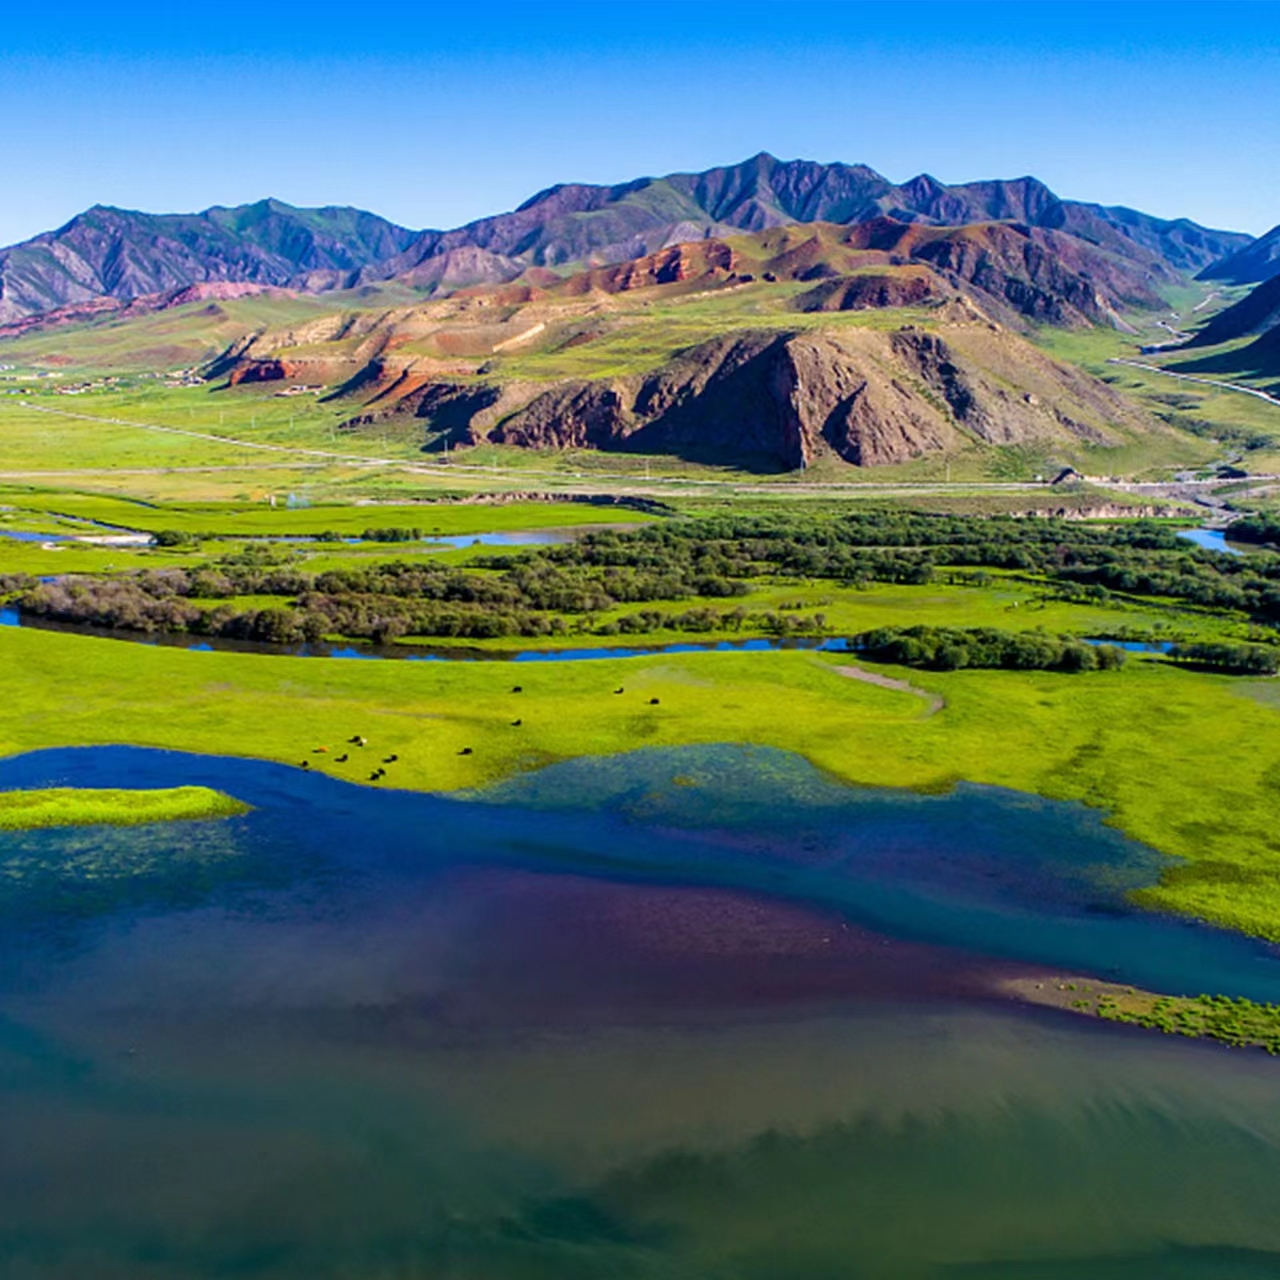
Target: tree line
[{"x": 562, "y": 589}]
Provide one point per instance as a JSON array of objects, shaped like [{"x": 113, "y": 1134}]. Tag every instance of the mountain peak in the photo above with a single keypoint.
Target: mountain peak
[{"x": 111, "y": 252}]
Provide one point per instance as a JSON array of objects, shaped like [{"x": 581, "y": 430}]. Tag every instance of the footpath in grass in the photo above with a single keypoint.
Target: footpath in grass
[
  {"x": 87, "y": 806},
  {"x": 1183, "y": 761}
]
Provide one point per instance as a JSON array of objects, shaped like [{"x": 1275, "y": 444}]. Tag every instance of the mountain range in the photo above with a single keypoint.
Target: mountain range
[
  {"x": 868, "y": 344},
  {"x": 119, "y": 254}
]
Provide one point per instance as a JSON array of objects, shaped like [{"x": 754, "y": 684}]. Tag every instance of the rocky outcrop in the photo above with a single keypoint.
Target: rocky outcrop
[
  {"x": 900, "y": 287},
  {"x": 1043, "y": 278},
  {"x": 574, "y": 415},
  {"x": 675, "y": 264},
  {"x": 265, "y": 371},
  {"x": 771, "y": 400}
]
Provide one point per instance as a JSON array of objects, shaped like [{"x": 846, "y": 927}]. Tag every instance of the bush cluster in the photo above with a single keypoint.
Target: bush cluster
[
  {"x": 1239, "y": 659},
  {"x": 952, "y": 648}
]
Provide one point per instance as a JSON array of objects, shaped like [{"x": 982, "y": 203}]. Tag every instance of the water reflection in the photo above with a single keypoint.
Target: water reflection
[{"x": 676, "y": 1014}]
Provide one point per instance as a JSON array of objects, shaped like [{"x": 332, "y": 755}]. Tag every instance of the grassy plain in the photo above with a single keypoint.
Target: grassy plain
[
  {"x": 232, "y": 519},
  {"x": 88, "y": 806},
  {"x": 1008, "y": 602},
  {"x": 1205, "y": 409},
  {"x": 1184, "y": 761}
]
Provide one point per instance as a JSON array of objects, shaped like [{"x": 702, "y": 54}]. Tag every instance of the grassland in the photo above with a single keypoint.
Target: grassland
[
  {"x": 177, "y": 338},
  {"x": 87, "y": 806},
  {"x": 1007, "y": 601},
  {"x": 1203, "y": 409},
  {"x": 1184, "y": 761},
  {"x": 1180, "y": 760},
  {"x": 231, "y": 519}
]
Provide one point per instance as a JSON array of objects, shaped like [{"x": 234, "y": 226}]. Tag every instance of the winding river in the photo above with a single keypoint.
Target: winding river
[{"x": 696, "y": 1013}]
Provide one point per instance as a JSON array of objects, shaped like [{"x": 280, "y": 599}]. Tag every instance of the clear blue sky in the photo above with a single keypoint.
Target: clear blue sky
[{"x": 432, "y": 115}]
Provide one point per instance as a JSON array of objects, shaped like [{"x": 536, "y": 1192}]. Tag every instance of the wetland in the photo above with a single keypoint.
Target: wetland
[{"x": 692, "y": 1012}]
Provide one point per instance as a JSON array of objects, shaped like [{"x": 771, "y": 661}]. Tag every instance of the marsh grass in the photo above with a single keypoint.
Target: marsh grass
[
  {"x": 86, "y": 806},
  {"x": 1229, "y": 1020}
]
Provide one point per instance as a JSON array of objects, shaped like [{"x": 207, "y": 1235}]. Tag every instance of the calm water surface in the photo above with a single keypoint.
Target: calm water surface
[
  {"x": 1213, "y": 540},
  {"x": 699, "y": 1013}
]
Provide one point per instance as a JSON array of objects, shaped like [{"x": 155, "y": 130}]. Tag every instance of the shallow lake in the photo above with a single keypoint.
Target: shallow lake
[{"x": 695, "y": 1013}]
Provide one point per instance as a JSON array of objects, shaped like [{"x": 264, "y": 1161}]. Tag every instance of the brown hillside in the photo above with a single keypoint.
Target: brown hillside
[{"x": 780, "y": 400}]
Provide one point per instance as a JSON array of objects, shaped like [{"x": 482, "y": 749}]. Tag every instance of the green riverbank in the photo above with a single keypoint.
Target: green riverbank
[{"x": 1184, "y": 761}]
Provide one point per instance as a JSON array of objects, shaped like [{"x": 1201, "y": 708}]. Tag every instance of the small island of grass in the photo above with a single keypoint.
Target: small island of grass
[
  {"x": 1234, "y": 1021},
  {"x": 85, "y": 806}
]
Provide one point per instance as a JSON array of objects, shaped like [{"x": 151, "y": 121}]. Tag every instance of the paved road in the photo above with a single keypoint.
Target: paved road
[{"x": 1208, "y": 382}]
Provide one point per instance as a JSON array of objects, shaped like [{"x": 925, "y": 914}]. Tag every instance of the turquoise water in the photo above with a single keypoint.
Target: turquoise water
[
  {"x": 698, "y": 1013},
  {"x": 1212, "y": 540}
]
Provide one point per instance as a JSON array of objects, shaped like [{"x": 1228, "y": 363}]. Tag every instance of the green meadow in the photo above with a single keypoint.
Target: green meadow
[
  {"x": 260, "y": 519},
  {"x": 1181, "y": 760}
]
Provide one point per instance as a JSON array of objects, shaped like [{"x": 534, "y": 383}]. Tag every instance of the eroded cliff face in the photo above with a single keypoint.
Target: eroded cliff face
[
  {"x": 877, "y": 290},
  {"x": 783, "y": 399}
]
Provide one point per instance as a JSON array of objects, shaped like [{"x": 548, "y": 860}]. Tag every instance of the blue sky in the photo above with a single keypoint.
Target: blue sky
[{"x": 432, "y": 115}]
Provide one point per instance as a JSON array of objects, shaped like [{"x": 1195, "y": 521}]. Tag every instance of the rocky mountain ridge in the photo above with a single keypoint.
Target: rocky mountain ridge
[
  {"x": 116, "y": 253},
  {"x": 120, "y": 254},
  {"x": 576, "y": 222},
  {"x": 1256, "y": 263}
]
